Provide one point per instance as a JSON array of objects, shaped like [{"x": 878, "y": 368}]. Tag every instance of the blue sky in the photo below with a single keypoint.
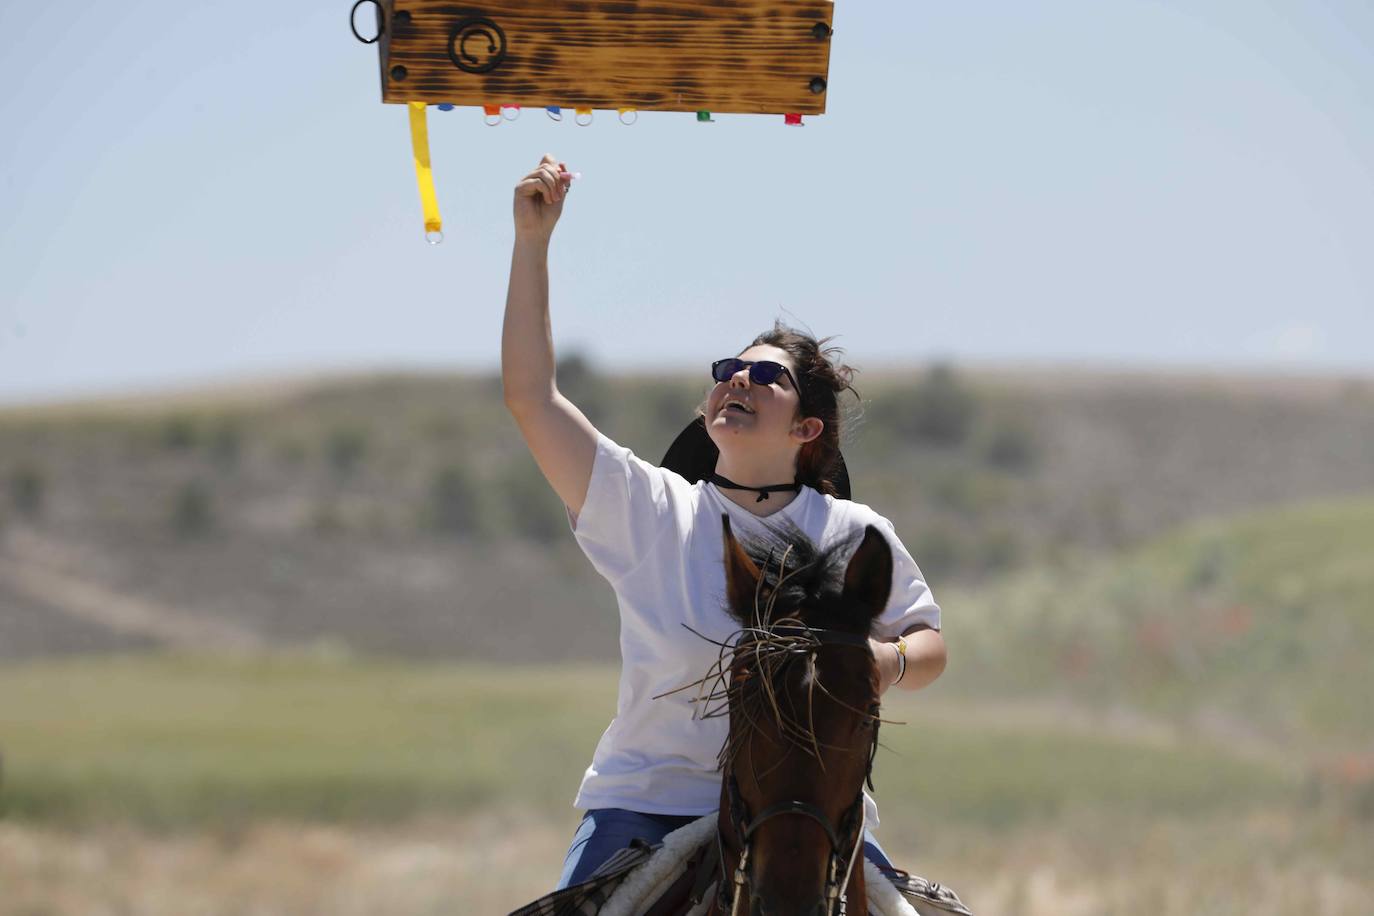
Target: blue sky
[{"x": 212, "y": 191}]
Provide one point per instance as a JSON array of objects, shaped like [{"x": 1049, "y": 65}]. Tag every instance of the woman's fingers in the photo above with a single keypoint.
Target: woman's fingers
[
  {"x": 542, "y": 173},
  {"x": 549, "y": 166},
  {"x": 539, "y": 183},
  {"x": 550, "y": 187},
  {"x": 531, "y": 186},
  {"x": 545, "y": 181},
  {"x": 549, "y": 176}
]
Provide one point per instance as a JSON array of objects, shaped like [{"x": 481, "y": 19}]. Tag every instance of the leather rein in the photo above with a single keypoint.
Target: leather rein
[{"x": 852, "y": 823}]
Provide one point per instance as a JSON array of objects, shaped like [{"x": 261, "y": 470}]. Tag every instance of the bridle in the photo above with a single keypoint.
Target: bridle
[
  {"x": 838, "y": 871},
  {"x": 849, "y": 836}
]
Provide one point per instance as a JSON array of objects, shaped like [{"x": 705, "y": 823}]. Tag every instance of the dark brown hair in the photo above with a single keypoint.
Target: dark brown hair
[{"x": 821, "y": 377}]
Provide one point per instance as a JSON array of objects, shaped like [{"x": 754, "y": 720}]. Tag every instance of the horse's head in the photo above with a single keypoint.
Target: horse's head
[{"x": 803, "y": 717}]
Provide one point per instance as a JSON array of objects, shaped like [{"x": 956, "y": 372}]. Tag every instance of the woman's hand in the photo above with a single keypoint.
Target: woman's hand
[
  {"x": 925, "y": 659},
  {"x": 885, "y": 657},
  {"x": 539, "y": 200}
]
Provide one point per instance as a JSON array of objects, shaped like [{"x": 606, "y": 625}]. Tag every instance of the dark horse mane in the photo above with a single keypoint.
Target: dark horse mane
[
  {"x": 800, "y": 587},
  {"x": 797, "y": 575}
]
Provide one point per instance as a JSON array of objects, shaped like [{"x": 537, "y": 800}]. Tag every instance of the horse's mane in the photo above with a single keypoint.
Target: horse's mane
[
  {"x": 801, "y": 586},
  {"x": 797, "y": 574}
]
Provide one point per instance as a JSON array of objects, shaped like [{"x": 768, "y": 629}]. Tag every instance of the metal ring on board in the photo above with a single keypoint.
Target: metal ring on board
[
  {"x": 434, "y": 236},
  {"x": 492, "y": 120},
  {"x": 634, "y": 113},
  {"x": 578, "y": 118},
  {"x": 353, "y": 22},
  {"x": 554, "y": 112},
  {"x": 505, "y": 108}
]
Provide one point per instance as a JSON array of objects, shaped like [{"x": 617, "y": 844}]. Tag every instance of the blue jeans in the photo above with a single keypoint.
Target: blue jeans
[{"x": 605, "y": 830}]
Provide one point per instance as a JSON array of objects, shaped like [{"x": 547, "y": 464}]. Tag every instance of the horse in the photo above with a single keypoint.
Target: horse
[{"x": 800, "y": 685}]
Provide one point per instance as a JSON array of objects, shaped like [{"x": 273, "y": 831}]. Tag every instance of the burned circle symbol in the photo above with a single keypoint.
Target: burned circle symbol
[{"x": 477, "y": 45}]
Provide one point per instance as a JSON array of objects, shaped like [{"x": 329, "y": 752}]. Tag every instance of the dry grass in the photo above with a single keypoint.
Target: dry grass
[
  {"x": 275, "y": 867},
  {"x": 1258, "y": 865}
]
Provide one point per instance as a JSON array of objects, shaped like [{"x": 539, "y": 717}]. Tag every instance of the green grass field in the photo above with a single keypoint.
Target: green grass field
[
  {"x": 185, "y": 741},
  {"x": 168, "y": 740}
]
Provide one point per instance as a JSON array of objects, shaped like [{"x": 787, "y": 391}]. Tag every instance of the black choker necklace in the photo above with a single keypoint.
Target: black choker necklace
[{"x": 762, "y": 491}]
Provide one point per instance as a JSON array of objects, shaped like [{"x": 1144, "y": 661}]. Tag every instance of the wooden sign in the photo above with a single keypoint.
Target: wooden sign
[{"x": 728, "y": 56}]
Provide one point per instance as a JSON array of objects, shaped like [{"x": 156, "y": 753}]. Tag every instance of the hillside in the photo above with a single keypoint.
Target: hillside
[
  {"x": 1257, "y": 629},
  {"x": 402, "y": 514}
]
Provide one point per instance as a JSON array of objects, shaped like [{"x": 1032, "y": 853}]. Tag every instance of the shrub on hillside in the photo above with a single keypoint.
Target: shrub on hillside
[
  {"x": 939, "y": 551},
  {"x": 290, "y": 452},
  {"x": 1106, "y": 511},
  {"x": 193, "y": 511},
  {"x": 998, "y": 550},
  {"x": 179, "y": 433},
  {"x": 580, "y": 383},
  {"x": 226, "y": 442},
  {"x": 345, "y": 447},
  {"x": 531, "y": 507},
  {"x": 326, "y": 518},
  {"x": 967, "y": 491},
  {"x": 670, "y": 408},
  {"x": 28, "y": 487},
  {"x": 1209, "y": 565},
  {"x": 1010, "y": 445},
  {"x": 953, "y": 488},
  {"x": 454, "y": 503},
  {"x": 441, "y": 426},
  {"x": 938, "y": 411}
]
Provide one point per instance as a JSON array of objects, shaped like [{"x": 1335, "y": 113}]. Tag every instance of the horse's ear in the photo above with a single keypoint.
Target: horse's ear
[
  {"x": 868, "y": 580},
  {"x": 741, "y": 575}
]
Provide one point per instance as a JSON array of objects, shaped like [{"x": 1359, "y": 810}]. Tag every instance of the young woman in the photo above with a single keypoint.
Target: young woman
[{"x": 656, "y": 536}]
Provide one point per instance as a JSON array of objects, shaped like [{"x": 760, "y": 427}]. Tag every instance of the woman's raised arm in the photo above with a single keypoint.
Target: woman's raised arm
[{"x": 561, "y": 438}]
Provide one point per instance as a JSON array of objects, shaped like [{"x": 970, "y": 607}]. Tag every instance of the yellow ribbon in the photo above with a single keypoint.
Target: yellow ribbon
[{"x": 419, "y": 142}]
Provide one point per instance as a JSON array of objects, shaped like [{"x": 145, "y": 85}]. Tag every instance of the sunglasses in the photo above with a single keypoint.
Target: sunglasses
[{"x": 762, "y": 372}]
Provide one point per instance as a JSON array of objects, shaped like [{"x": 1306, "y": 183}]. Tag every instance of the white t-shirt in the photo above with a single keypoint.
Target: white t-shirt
[{"x": 658, "y": 540}]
